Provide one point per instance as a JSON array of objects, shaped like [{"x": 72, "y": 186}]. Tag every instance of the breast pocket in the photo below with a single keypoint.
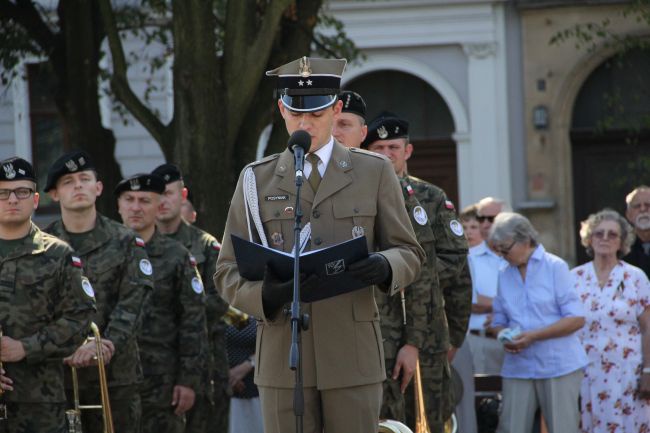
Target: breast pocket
[
  {"x": 105, "y": 278},
  {"x": 40, "y": 292},
  {"x": 278, "y": 225},
  {"x": 354, "y": 218}
]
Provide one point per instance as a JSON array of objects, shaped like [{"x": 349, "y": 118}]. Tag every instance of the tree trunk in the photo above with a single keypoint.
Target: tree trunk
[{"x": 75, "y": 61}]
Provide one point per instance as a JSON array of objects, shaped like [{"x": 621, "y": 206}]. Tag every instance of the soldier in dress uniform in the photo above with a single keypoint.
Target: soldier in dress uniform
[
  {"x": 173, "y": 339},
  {"x": 46, "y": 304},
  {"x": 210, "y": 410},
  {"x": 348, "y": 193},
  {"x": 445, "y": 277},
  {"x": 111, "y": 255}
]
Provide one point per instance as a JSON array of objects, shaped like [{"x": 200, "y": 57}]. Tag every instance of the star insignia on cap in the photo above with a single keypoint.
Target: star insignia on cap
[
  {"x": 309, "y": 82},
  {"x": 301, "y": 83}
]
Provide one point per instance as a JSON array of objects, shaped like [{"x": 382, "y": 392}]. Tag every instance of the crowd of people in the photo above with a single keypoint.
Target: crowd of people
[{"x": 192, "y": 346}]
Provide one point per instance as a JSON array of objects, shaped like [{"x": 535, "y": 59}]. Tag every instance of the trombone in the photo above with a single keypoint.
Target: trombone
[{"x": 73, "y": 416}]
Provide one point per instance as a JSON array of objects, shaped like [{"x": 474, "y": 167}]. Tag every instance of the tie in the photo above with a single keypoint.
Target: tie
[{"x": 314, "y": 176}]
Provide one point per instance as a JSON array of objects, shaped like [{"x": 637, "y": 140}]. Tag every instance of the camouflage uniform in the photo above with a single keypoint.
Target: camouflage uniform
[
  {"x": 111, "y": 256},
  {"x": 210, "y": 411},
  {"x": 173, "y": 338},
  {"x": 441, "y": 235},
  {"x": 47, "y": 304}
]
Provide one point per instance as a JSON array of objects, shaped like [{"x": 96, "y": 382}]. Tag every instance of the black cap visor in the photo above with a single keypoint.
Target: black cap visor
[{"x": 308, "y": 103}]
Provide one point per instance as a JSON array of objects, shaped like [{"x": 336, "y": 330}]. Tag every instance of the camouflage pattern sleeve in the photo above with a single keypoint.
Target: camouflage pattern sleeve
[
  {"x": 192, "y": 327},
  {"x": 453, "y": 270},
  {"x": 216, "y": 306},
  {"x": 458, "y": 305},
  {"x": 72, "y": 311},
  {"x": 135, "y": 288}
]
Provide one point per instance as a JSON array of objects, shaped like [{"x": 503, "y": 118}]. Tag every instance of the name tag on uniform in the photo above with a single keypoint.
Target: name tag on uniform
[{"x": 276, "y": 197}]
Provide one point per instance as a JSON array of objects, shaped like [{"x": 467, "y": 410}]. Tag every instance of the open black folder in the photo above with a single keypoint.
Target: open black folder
[{"x": 328, "y": 263}]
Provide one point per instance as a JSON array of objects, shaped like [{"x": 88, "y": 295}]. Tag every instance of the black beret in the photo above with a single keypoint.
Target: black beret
[
  {"x": 169, "y": 172},
  {"x": 71, "y": 162},
  {"x": 353, "y": 103},
  {"x": 386, "y": 126},
  {"x": 16, "y": 168},
  {"x": 141, "y": 182}
]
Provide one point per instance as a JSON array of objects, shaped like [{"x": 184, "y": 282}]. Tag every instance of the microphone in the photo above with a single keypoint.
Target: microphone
[{"x": 299, "y": 144}]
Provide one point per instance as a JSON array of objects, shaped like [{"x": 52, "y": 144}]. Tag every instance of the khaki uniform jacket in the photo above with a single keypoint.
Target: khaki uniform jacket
[{"x": 343, "y": 346}]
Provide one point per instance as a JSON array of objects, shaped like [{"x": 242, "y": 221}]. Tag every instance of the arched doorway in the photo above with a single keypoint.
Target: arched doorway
[
  {"x": 610, "y": 136},
  {"x": 431, "y": 122}
]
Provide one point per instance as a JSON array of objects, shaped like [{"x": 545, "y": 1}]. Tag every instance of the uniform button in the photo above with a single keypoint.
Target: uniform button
[
  {"x": 315, "y": 214},
  {"x": 356, "y": 210},
  {"x": 318, "y": 241}
]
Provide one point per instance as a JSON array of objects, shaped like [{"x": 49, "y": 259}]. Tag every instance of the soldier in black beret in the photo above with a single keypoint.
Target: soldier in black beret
[
  {"x": 350, "y": 127},
  {"x": 211, "y": 409},
  {"x": 113, "y": 258},
  {"x": 71, "y": 162},
  {"x": 46, "y": 304},
  {"x": 173, "y": 338}
]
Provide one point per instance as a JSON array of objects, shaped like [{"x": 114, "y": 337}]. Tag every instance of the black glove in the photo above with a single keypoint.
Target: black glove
[
  {"x": 275, "y": 293},
  {"x": 374, "y": 269}
]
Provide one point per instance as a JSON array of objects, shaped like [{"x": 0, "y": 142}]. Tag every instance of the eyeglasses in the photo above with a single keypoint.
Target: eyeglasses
[
  {"x": 602, "y": 234},
  {"x": 20, "y": 193},
  {"x": 482, "y": 218},
  {"x": 505, "y": 251}
]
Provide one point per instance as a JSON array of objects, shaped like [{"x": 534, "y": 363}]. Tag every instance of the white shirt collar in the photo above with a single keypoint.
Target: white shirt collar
[{"x": 325, "y": 154}]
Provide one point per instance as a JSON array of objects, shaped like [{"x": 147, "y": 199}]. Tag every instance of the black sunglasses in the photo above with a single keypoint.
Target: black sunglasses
[{"x": 482, "y": 218}]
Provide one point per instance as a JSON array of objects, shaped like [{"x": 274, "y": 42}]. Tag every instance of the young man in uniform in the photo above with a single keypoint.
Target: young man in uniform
[
  {"x": 173, "y": 338},
  {"x": 350, "y": 127},
  {"x": 210, "y": 410},
  {"x": 347, "y": 193},
  {"x": 46, "y": 306},
  {"x": 111, "y": 256},
  {"x": 439, "y": 302}
]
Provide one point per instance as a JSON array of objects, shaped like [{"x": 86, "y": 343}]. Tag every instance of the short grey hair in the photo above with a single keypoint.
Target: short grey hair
[
  {"x": 513, "y": 226},
  {"x": 635, "y": 191},
  {"x": 627, "y": 231},
  {"x": 489, "y": 200}
]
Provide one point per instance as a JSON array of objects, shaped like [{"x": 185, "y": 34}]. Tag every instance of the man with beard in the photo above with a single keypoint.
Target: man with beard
[{"x": 638, "y": 213}]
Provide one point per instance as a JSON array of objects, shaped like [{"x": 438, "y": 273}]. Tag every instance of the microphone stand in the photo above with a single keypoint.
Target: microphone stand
[{"x": 299, "y": 321}]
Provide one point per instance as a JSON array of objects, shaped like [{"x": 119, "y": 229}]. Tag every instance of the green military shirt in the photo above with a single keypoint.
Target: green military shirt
[
  {"x": 173, "y": 338},
  {"x": 205, "y": 249},
  {"x": 47, "y": 303},
  {"x": 115, "y": 261},
  {"x": 441, "y": 234}
]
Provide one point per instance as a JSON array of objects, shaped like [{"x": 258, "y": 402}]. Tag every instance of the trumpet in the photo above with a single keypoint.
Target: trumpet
[
  {"x": 235, "y": 318},
  {"x": 3, "y": 406},
  {"x": 73, "y": 416}
]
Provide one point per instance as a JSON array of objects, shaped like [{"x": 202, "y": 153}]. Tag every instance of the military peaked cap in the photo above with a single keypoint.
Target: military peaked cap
[
  {"x": 169, "y": 172},
  {"x": 309, "y": 84},
  {"x": 141, "y": 182},
  {"x": 386, "y": 126},
  {"x": 353, "y": 103},
  {"x": 71, "y": 162},
  {"x": 16, "y": 168}
]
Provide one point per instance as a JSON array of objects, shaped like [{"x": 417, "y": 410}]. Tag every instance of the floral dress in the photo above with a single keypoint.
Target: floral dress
[{"x": 612, "y": 339}]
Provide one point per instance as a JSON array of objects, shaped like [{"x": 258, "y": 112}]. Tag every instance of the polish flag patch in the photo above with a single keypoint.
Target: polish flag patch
[
  {"x": 192, "y": 261},
  {"x": 216, "y": 246},
  {"x": 139, "y": 241},
  {"x": 449, "y": 204},
  {"x": 409, "y": 190},
  {"x": 76, "y": 261}
]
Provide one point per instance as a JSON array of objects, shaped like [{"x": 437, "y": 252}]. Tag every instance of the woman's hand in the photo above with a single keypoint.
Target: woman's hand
[
  {"x": 237, "y": 374},
  {"x": 521, "y": 342}
]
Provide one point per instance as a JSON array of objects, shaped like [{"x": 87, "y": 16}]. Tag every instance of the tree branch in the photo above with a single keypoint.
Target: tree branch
[
  {"x": 25, "y": 14},
  {"x": 120, "y": 82},
  {"x": 246, "y": 60}
]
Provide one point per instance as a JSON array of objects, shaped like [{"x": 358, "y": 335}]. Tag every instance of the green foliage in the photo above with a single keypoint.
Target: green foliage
[{"x": 16, "y": 45}]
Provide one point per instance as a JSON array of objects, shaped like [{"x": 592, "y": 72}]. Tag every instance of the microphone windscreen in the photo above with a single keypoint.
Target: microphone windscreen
[{"x": 300, "y": 138}]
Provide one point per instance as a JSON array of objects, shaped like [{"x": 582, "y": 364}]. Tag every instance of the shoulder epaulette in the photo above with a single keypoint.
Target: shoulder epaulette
[
  {"x": 263, "y": 160},
  {"x": 367, "y": 152}
]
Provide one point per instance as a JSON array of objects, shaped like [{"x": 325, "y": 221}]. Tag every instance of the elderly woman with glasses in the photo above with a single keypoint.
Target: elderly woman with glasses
[
  {"x": 536, "y": 315},
  {"x": 616, "y": 296}
]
